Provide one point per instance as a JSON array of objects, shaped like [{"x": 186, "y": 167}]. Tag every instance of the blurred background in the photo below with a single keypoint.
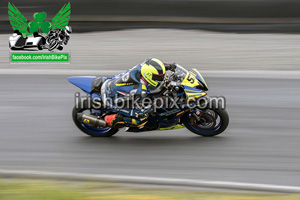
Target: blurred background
[
  {"x": 214, "y": 34},
  {"x": 217, "y": 15},
  {"x": 247, "y": 50}
]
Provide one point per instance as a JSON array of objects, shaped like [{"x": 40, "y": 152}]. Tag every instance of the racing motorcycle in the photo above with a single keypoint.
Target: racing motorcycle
[
  {"x": 55, "y": 40},
  {"x": 194, "y": 109}
]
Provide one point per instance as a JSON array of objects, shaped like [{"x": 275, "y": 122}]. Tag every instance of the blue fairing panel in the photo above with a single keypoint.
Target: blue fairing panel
[
  {"x": 192, "y": 89},
  {"x": 83, "y": 82}
]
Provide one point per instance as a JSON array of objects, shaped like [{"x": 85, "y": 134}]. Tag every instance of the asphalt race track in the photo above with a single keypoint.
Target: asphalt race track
[{"x": 261, "y": 144}]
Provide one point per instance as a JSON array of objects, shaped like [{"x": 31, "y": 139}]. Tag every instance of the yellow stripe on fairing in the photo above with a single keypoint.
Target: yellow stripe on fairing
[
  {"x": 172, "y": 127},
  {"x": 142, "y": 124},
  {"x": 196, "y": 71},
  {"x": 134, "y": 122}
]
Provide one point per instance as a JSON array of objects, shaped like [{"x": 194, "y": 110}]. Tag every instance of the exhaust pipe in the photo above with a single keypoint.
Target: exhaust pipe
[{"x": 91, "y": 120}]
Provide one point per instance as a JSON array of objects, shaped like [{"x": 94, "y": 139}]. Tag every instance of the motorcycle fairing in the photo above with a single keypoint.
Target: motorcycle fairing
[
  {"x": 178, "y": 126},
  {"x": 199, "y": 77},
  {"x": 161, "y": 122},
  {"x": 83, "y": 82},
  {"x": 193, "y": 93},
  {"x": 190, "y": 80}
]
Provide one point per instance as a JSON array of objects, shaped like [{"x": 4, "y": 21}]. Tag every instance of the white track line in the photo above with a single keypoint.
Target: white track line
[{"x": 149, "y": 181}]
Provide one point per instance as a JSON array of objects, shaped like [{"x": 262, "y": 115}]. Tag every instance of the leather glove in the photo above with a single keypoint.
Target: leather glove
[{"x": 170, "y": 67}]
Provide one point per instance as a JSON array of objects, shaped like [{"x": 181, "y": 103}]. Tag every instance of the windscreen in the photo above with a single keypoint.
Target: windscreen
[{"x": 180, "y": 73}]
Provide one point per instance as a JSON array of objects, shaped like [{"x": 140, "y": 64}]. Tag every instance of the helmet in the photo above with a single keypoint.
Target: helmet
[
  {"x": 153, "y": 71},
  {"x": 68, "y": 30}
]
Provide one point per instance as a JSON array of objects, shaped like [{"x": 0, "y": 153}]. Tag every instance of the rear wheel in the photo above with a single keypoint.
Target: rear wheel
[
  {"x": 40, "y": 45},
  {"x": 211, "y": 123},
  {"x": 89, "y": 130}
]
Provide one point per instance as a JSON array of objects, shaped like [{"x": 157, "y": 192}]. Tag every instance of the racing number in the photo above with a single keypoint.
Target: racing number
[{"x": 190, "y": 79}]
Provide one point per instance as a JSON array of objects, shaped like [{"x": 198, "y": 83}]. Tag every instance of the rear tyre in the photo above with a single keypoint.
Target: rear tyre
[
  {"x": 40, "y": 45},
  {"x": 89, "y": 130}
]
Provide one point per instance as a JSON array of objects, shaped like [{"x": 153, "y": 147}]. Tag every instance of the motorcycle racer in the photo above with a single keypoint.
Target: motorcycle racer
[
  {"x": 58, "y": 35},
  {"x": 172, "y": 99},
  {"x": 138, "y": 82}
]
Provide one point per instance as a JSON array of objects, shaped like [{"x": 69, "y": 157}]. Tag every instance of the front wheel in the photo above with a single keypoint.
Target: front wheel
[
  {"x": 89, "y": 130},
  {"x": 53, "y": 45},
  {"x": 212, "y": 122}
]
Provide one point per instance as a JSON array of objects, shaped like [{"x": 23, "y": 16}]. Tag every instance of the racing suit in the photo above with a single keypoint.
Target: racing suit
[{"x": 131, "y": 87}]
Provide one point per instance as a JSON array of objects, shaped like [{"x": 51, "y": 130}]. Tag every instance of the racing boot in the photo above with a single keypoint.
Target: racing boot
[
  {"x": 118, "y": 120},
  {"x": 114, "y": 120}
]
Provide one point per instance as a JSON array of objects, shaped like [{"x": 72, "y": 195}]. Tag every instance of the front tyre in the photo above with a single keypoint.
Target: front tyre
[
  {"x": 89, "y": 130},
  {"x": 213, "y": 122},
  {"x": 53, "y": 45}
]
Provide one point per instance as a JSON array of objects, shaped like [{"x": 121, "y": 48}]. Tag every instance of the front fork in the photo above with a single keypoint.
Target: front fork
[{"x": 197, "y": 111}]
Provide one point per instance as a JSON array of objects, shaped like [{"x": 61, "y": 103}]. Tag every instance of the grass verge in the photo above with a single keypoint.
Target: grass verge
[{"x": 12, "y": 189}]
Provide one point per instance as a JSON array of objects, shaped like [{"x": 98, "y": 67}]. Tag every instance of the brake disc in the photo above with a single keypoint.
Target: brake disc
[{"x": 207, "y": 121}]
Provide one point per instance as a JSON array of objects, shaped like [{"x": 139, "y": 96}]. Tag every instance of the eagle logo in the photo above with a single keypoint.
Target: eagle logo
[{"x": 20, "y": 23}]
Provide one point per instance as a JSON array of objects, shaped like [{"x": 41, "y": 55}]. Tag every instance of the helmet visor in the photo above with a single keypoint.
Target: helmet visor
[{"x": 158, "y": 77}]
